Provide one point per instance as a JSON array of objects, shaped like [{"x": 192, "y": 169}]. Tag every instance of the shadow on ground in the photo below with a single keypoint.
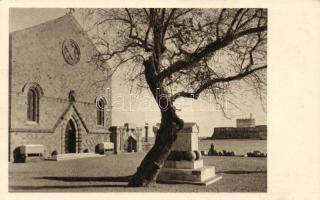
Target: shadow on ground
[
  {"x": 80, "y": 179},
  {"x": 241, "y": 172},
  {"x": 17, "y": 188},
  {"x": 122, "y": 180}
]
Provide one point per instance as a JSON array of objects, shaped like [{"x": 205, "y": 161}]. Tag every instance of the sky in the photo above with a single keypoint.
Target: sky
[{"x": 142, "y": 109}]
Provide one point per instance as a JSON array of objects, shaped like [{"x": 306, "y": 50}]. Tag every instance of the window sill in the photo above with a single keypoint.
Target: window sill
[{"x": 31, "y": 123}]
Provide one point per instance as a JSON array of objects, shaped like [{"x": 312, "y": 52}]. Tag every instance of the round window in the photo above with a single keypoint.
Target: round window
[{"x": 71, "y": 52}]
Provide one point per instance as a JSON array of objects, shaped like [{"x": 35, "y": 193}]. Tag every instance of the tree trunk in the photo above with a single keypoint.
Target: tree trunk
[
  {"x": 166, "y": 135},
  {"x": 153, "y": 161}
]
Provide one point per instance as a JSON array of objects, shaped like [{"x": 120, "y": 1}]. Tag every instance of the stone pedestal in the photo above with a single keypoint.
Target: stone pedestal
[{"x": 185, "y": 165}]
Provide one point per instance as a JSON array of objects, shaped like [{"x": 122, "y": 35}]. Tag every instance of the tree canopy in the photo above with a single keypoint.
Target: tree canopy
[
  {"x": 180, "y": 53},
  {"x": 194, "y": 50}
]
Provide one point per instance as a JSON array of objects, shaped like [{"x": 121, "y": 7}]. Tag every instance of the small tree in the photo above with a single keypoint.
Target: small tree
[{"x": 181, "y": 53}]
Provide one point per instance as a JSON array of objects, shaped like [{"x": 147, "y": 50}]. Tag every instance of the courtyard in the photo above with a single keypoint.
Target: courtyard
[{"x": 111, "y": 174}]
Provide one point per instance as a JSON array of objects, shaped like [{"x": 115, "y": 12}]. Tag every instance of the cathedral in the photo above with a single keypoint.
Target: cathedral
[{"x": 58, "y": 97}]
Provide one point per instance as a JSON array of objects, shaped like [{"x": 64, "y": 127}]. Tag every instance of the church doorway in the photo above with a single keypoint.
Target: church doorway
[
  {"x": 132, "y": 144},
  {"x": 71, "y": 138}
]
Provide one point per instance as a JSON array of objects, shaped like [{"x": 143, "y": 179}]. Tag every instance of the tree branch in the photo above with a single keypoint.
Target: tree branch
[
  {"x": 211, "y": 82},
  {"x": 212, "y": 47}
]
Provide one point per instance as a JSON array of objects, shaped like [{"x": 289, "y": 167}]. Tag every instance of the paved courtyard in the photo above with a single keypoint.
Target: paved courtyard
[{"x": 111, "y": 174}]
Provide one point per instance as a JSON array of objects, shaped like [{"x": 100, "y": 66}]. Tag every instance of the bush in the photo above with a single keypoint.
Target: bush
[
  {"x": 86, "y": 151},
  {"x": 54, "y": 153},
  {"x": 256, "y": 154}
]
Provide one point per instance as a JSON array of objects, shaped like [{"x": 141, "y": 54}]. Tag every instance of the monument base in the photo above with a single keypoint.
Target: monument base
[
  {"x": 183, "y": 164},
  {"x": 201, "y": 176}
]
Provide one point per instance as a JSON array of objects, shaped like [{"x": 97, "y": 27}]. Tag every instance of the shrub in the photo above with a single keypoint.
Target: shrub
[
  {"x": 54, "y": 153},
  {"x": 86, "y": 151}
]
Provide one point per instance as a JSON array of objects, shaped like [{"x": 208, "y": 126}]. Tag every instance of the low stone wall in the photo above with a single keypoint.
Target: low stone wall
[
  {"x": 91, "y": 141},
  {"x": 55, "y": 141},
  {"x": 51, "y": 141}
]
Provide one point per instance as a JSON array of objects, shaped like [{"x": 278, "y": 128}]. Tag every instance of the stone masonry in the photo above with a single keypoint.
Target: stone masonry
[{"x": 36, "y": 59}]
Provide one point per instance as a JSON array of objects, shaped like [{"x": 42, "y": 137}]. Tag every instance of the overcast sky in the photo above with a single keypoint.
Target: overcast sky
[{"x": 135, "y": 109}]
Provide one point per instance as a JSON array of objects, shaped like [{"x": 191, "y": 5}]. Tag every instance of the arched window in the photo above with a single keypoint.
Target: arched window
[
  {"x": 33, "y": 105},
  {"x": 100, "y": 112}
]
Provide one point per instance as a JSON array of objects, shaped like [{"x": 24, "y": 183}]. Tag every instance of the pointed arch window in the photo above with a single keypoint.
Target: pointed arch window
[
  {"x": 100, "y": 111},
  {"x": 33, "y": 105}
]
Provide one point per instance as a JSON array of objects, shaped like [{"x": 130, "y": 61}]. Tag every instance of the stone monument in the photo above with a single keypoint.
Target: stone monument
[{"x": 185, "y": 164}]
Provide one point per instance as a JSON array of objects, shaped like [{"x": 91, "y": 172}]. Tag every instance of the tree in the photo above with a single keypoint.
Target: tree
[{"x": 181, "y": 53}]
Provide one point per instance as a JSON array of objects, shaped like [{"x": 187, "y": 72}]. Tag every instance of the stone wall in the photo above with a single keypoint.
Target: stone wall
[
  {"x": 54, "y": 139},
  {"x": 36, "y": 58},
  {"x": 120, "y": 135}
]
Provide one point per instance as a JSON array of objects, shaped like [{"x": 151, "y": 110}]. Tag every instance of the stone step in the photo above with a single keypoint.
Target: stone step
[
  {"x": 71, "y": 156},
  {"x": 183, "y": 164},
  {"x": 211, "y": 180},
  {"x": 204, "y": 175},
  {"x": 206, "y": 182}
]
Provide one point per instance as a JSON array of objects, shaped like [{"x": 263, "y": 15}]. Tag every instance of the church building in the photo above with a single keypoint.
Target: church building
[{"x": 58, "y": 97}]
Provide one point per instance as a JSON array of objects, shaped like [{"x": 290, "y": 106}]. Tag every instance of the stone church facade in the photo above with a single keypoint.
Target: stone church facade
[{"x": 56, "y": 96}]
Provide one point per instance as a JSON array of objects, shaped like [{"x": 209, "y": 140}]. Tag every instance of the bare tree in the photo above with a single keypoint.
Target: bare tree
[{"x": 181, "y": 53}]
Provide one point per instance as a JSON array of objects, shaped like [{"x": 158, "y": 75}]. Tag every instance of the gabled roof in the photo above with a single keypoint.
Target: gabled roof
[
  {"x": 48, "y": 23},
  {"x": 52, "y": 23}
]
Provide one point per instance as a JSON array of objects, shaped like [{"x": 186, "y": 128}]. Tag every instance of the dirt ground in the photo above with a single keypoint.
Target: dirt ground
[{"x": 111, "y": 174}]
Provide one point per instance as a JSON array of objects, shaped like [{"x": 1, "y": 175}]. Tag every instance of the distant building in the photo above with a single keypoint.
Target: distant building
[
  {"x": 127, "y": 138},
  {"x": 245, "y": 129},
  {"x": 246, "y": 122}
]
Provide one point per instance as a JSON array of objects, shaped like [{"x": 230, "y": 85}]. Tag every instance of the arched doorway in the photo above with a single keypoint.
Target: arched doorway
[
  {"x": 71, "y": 138},
  {"x": 132, "y": 144}
]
